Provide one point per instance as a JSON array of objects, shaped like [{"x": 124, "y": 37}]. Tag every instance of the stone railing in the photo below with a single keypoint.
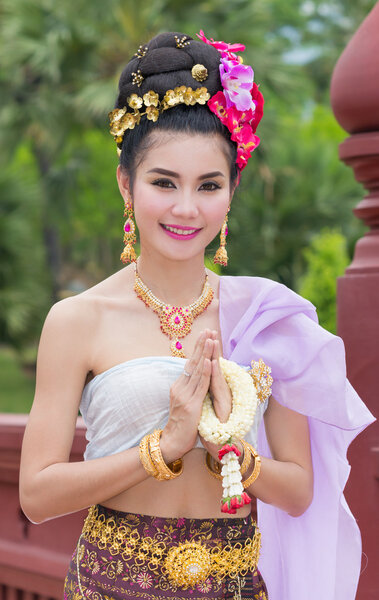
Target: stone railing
[{"x": 33, "y": 558}]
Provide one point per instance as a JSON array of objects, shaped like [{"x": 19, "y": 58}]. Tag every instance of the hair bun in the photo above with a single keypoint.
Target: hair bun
[{"x": 164, "y": 60}]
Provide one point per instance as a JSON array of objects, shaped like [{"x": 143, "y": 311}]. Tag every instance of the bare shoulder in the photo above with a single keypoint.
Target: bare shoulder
[{"x": 80, "y": 313}]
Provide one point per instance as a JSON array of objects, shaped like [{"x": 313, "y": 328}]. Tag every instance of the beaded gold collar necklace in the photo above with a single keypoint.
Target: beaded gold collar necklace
[{"x": 175, "y": 321}]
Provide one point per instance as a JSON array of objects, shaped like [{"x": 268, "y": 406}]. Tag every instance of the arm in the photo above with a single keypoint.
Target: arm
[
  {"x": 50, "y": 485},
  {"x": 286, "y": 480}
]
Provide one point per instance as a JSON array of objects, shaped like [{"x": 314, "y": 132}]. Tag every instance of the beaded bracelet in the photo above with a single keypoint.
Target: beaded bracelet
[
  {"x": 256, "y": 470},
  {"x": 163, "y": 471}
]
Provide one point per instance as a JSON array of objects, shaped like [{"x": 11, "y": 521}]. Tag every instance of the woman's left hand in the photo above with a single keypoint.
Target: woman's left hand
[{"x": 219, "y": 392}]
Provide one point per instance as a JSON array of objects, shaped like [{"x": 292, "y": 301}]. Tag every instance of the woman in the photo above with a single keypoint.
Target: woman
[{"x": 181, "y": 154}]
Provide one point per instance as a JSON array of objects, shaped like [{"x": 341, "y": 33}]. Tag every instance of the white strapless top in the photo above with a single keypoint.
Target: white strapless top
[{"x": 124, "y": 403}]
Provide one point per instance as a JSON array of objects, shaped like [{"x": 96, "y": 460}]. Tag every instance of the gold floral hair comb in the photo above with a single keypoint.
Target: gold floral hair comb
[{"x": 122, "y": 119}]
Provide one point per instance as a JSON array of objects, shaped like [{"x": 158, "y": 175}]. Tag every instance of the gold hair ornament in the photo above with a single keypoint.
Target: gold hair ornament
[
  {"x": 199, "y": 72},
  {"x": 181, "y": 42},
  {"x": 141, "y": 52},
  {"x": 121, "y": 119},
  {"x": 137, "y": 78}
]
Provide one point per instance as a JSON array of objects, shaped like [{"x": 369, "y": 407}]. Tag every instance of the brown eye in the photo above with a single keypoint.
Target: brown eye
[
  {"x": 162, "y": 183},
  {"x": 211, "y": 183}
]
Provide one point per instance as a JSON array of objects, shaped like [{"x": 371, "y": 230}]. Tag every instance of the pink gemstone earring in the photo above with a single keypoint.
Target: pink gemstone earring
[
  {"x": 221, "y": 256},
  {"x": 128, "y": 254}
]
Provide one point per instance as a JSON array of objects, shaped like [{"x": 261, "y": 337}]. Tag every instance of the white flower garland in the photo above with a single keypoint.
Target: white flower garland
[{"x": 245, "y": 401}]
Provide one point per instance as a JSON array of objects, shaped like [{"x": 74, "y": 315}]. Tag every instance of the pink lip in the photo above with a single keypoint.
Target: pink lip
[
  {"x": 178, "y": 236},
  {"x": 178, "y": 226}
]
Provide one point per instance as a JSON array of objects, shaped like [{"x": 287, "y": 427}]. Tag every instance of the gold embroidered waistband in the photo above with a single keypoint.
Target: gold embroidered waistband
[{"x": 186, "y": 564}]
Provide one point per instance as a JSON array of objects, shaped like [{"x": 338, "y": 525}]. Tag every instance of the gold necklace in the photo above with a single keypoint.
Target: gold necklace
[{"x": 175, "y": 321}]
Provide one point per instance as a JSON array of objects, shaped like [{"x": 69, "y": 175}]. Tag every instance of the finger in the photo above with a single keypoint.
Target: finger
[
  {"x": 217, "y": 349},
  {"x": 191, "y": 363},
  {"x": 199, "y": 368},
  {"x": 204, "y": 380},
  {"x": 216, "y": 376},
  {"x": 199, "y": 347},
  {"x": 218, "y": 382}
]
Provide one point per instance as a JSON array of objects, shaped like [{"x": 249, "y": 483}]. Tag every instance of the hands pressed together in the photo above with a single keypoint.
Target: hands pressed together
[{"x": 187, "y": 394}]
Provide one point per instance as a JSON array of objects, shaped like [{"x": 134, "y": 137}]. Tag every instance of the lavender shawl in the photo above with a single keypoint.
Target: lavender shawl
[{"x": 316, "y": 555}]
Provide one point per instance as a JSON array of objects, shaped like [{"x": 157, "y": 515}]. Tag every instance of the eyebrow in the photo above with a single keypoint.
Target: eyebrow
[{"x": 173, "y": 174}]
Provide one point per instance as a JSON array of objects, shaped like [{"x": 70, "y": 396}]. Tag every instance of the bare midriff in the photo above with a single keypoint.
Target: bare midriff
[{"x": 194, "y": 494}]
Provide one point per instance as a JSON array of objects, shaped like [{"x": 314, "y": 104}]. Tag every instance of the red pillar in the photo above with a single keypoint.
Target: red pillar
[{"x": 355, "y": 102}]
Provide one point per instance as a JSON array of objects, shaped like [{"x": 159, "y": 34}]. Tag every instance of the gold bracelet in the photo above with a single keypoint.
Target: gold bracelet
[
  {"x": 145, "y": 457},
  {"x": 216, "y": 470},
  {"x": 163, "y": 471},
  {"x": 246, "y": 456},
  {"x": 256, "y": 470},
  {"x": 216, "y": 473}
]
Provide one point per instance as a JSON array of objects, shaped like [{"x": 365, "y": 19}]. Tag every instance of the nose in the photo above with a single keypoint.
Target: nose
[{"x": 185, "y": 206}]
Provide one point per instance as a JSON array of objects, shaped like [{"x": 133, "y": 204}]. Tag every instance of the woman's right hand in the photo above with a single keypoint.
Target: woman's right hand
[{"x": 186, "y": 401}]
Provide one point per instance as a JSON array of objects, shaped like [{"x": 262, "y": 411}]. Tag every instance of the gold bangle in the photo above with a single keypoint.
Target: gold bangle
[
  {"x": 246, "y": 456},
  {"x": 145, "y": 457},
  {"x": 163, "y": 471},
  {"x": 216, "y": 474},
  {"x": 216, "y": 470},
  {"x": 256, "y": 470}
]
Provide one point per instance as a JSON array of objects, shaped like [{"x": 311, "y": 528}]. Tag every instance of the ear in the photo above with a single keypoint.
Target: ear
[
  {"x": 123, "y": 183},
  {"x": 233, "y": 189}
]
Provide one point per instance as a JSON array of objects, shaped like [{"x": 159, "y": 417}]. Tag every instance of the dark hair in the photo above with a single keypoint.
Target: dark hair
[{"x": 165, "y": 67}]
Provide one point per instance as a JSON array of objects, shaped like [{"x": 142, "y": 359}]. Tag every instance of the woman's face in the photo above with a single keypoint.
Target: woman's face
[{"x": 181, "y": 194}]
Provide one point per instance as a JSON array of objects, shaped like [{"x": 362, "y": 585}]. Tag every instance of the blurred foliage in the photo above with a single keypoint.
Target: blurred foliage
[
  {"x": 61, "y": 211},
  {"x": 326, "y": 259},
  {"x": 24, "y": 285},
  {"x": 17, "y": 386},
  {"x": 297, "y": 187}
]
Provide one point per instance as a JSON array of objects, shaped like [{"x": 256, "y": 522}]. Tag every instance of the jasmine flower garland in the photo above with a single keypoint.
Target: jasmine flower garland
[{"x": 246, "y": 395}]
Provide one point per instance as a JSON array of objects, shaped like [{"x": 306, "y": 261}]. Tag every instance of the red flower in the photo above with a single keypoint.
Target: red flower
[
  {"x": 234, "y": 503},
  {"x": 217, "y": 104},
  {"x": 222, "y": 46},
  {"x": 235, "y": 450},
  {"x": 259, "y": 102},
  {"x": 246, "y": 498},
  {"x": 226, "y": 506}
]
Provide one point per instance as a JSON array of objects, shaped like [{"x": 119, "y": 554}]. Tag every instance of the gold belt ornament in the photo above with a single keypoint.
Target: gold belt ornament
[{"x": 185, "y": 564}]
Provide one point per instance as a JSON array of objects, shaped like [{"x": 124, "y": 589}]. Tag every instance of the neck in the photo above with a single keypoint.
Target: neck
[{"x": 176, "y": 282}]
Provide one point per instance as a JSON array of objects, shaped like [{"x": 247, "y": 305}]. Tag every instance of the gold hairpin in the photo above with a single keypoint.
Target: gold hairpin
[
  {"x": 199, "y": 72},
  {"x": 137, "y": 78},
  {"x": 181, "y": 42},
  {"x": 141, "y": 52}
]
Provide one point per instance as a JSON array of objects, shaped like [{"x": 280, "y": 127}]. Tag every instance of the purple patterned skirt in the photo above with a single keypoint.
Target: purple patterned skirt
[{"x": 122, "y": 555}]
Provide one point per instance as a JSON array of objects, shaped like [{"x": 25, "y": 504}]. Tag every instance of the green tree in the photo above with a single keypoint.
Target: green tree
[
  {"x": 326, "y": 259},
  {"x": 24, "y": 294},
  {"x": 285, "y": 199}
]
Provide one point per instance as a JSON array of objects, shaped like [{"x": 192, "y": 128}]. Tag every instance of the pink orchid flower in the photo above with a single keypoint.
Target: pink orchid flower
[{"x": 237, "y": 81}]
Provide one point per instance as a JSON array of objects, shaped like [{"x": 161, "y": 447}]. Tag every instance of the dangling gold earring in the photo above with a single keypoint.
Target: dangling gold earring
[
  {"x": 221, "y": 256},
  {"x": 128, "y": 254}
]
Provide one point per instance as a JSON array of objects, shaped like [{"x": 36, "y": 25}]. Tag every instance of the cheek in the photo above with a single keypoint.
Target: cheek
[
  {"x": 217, "y": 211},
  {"x": 147, "y": 206}
]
